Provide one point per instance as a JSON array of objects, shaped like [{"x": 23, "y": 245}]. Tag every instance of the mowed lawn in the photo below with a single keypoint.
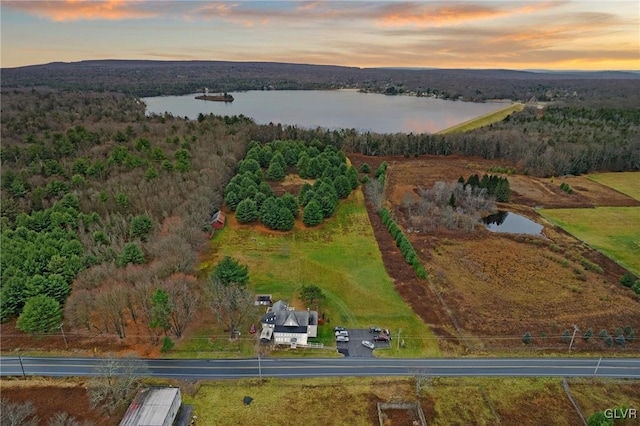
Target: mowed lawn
[
  {"x": 340, "y": 256},
  {"x": 625, "y": 182},
  {"x": 614, "y": 231}
]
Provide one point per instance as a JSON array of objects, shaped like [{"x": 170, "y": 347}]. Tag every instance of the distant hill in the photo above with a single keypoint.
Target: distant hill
[{"x": 150, "y": 78}]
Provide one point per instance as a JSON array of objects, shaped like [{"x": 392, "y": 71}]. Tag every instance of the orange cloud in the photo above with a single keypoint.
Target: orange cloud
[
  {"x": 419, "y": 14},
  {"x": 75, "y": 10}
]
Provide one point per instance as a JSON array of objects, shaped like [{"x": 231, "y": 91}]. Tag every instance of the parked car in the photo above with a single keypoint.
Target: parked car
[
  {"x": 342, "y": 333},
  {"x": 381, "y": 338},
  {"x": 375, "y": 330},
  {"x": 335, "y": 329},
  {"x": 368, "y": 344},
  {"x": 252, "y": 329},
  {"x": 342, "y": 338}
]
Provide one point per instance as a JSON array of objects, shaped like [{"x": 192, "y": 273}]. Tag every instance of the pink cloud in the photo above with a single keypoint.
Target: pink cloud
[{"x": 75, "y": 10}]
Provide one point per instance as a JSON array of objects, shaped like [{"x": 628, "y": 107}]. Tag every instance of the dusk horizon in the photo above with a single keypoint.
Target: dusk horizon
[{"x": 554, "y": 36}]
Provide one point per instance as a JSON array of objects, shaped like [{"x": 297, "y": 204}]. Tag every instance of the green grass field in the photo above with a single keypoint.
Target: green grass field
[
  {"x": 341, "y": 257},
  {"x": 483, "y": 120},
  {"x": 626, "y": 182},
  {"x": 615, "y": 231}
]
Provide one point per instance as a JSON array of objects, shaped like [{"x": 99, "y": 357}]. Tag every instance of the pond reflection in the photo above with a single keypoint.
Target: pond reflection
[{"x": 512, "y": 223}]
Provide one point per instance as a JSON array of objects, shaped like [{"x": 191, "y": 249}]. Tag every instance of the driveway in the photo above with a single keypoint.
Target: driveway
[{"x": 354, "y": 348}]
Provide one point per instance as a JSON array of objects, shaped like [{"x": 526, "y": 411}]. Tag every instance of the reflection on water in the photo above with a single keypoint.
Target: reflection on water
[
  {"x": 511, "y": 223},
  {"x": 333, "y": 109}
]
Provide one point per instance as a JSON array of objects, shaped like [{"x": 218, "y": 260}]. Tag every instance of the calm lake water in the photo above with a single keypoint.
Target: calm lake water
[
  {"x": 331, "y": 109},
  {"x": 512, "y": 223}
]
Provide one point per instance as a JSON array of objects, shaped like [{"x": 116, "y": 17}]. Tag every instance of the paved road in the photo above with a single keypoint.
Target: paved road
[{"x": 332, "y": 367}]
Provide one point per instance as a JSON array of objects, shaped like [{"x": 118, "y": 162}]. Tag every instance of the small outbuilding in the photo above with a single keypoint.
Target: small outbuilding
[
  {"x": 217, "y": 220},
  {"x": 156, "y": 406}
]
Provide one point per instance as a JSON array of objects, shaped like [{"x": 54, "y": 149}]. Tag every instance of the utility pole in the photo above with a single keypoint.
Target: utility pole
[
  {"x": 24, "y": 376},
  {"x": 575, "y": 329},
  {"x": 259, "y": 367},
  {"x": 64, "y": 337},
  {"x": 399, "y": 332}
]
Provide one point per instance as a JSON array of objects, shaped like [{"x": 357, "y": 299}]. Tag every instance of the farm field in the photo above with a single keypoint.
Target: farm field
[
  {"x": 496, "y": 287},
  {"x": 626, "y": 182},
  {"x": 613, "y": 230},
  {"x": 342, "y": 258}
]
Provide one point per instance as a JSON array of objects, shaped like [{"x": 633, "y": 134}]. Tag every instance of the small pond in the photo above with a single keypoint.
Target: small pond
[{"x": 511, "y": 223}]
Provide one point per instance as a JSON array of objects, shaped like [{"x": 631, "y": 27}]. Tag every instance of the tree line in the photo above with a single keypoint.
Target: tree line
[
  {"x": 554, "y": 141},
  {"x": 156, "y": 78}
]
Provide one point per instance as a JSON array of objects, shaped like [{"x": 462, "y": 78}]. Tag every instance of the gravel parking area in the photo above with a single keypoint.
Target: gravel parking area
[{"x": 354, "y": 348}]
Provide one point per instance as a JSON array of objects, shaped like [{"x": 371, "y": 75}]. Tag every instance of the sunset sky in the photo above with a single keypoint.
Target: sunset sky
[{"x": 579, "y": 34}]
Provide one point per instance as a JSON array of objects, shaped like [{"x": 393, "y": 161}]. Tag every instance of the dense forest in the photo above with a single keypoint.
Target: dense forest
[
  {"x": 89, "y": 186},
  {"x": 102, "y": 205}
]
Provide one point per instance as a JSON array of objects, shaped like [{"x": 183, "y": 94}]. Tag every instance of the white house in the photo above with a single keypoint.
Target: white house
[{"x": 286, "y": 325}]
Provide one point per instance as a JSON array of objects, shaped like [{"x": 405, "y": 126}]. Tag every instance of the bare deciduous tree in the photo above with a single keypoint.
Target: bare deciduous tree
[
  {"x": 115, "y": 383},
  {"x": 17, "y": 413},
  {"x": 375, "y": 192},
  {"x": 230, "y": 303},
  {"x": 110, "y": 304},
  {"x": 78, "y": 309},
  {"x": 65, "y": 419},
  {"x": 185, "y": 302}
]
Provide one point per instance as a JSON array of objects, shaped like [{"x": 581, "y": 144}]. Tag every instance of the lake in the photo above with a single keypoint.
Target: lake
[{"x": 332, "y": 109}]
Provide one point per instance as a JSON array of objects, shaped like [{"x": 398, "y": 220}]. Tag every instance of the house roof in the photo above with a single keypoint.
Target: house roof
[
  {"x": 217, "y": 216},
  {"x": 280, "y": 305},
  {"x": 150, "y": 407},
  {"x": 291, "y": 320}
]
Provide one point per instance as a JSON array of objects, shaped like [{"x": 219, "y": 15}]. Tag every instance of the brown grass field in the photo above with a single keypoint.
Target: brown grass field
[
  {"x": 353, "y": 401},
  {"x": 495, "y": 287}
]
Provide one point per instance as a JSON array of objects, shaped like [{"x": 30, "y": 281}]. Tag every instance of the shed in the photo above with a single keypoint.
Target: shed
[
  {"x": 156, "y": 406},
  {"x": 217, "y": 220}
]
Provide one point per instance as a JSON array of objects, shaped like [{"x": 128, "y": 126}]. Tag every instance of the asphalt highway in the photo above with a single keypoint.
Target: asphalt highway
[{"x": 203, "y": 369}]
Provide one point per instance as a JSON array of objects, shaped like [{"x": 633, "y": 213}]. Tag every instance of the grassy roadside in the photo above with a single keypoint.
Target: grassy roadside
[
  {"x": 342, "y": 257},
  {"x": 614, "y": 231},
  {"x": 444, "y": 401},
  {"x": 625, "y": 182},
  {"x": 483, "y": 120}
]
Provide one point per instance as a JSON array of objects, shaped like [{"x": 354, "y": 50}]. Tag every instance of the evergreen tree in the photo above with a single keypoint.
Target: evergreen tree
[
  {"x": 41, "y": 314},
  {"x": 248, "y": 165},
  {"x": 304, "y": 190},
  {"x": 140, "y": 227},
  {"x": 291, "y": 203},
  {"x": 275, "y": 171},
  {"x": 303, "y": 166},
  {"x": 269, "y": 212},
  {"x": 502, "y": 191},
  {"x": 265, "y": 155},
  {"x": 342, "y": 186},
  {"x": 352, "y": 176},
  {"x": 229, "y": 271},
  {"x": 312, "y": 214},
  {"x": 160, "y": 311},
  {"x": 231, "y": 199},
  {"x": 131, "y": 253},
  {"x": 285, "y": 219},
  {"x": 278, "y": 158},
  {"x": 247, "y": 211}
]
